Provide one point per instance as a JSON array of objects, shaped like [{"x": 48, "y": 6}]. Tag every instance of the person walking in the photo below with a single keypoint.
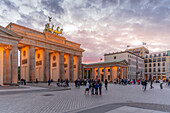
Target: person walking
[
  {"x": 106, "y": 83},
  {"x": 169, "y": 81},
  {"x": 96, "y": 88},
  {"x": 151, "y": 84},
  {"x": 76, "y": 83},
  {"x": 100, "y": 88},
  {"x": 145, "y": 83},
  {"x": 87, "y": 88},
  {"x": 161, "y": 83},
  {"x": 49, "y": 82}
]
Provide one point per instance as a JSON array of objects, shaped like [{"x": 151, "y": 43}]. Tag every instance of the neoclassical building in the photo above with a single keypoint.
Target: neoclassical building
[
  {"x": 43, "y": 55},
  {"x": 110, "y": 70}
]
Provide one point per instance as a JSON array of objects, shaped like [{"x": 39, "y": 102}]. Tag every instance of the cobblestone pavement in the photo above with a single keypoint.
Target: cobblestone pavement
[{"x": 74, "y": 100}]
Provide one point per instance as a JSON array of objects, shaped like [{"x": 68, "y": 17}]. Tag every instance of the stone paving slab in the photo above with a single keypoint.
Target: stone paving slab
[
  {"x": 74, "y": 100},
  {"x": 127, "y": 109}
]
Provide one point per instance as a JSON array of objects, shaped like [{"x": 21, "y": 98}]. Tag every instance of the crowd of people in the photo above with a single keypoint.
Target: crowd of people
[{"x": 93, "y": 86}]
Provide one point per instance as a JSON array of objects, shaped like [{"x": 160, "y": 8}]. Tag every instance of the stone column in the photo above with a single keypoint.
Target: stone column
[
  {"x": 98, "y": 73},
  {"x": 71, "y": 68},
  {"x": 32, "y": 64},
  {"x": 87, "y": 74},
  {"x": 121, "y": 72},
  {"x": 62, "y": 65},
  {"x": 111, "y": 74},
  {"x": 83, "y": 73},
  {"x": 126, "y": 74},
  {"x": 104, "y": 74},
  {"x": 47, "y": 65},
  {"x": 118, "y": 73},
  {"x": 79, "y": 67},
  {"x": 93, "y": 73},
  {"x": 14, "y": 64},
  {"x": 8, "y": 67}
]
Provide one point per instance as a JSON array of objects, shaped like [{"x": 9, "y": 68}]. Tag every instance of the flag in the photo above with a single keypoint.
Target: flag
[
  {"x": 144, "y": 43},
  {"x": 101, "y": 59}
]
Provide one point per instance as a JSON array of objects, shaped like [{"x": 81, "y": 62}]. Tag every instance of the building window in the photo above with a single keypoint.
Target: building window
[
  {"x": 96, "y": 70},
  {"x": 163, "y": 69},
  {"x": 145, "y": 65},
  {"x": 150, "y": 60},
  {"x": 145, "y": 70},
  {"x": 108, "y": 77},
  {"x": 145, "y": 60},
  {"x": 154, "y": 64},
  {"x": 150, "y": 56},
  {"x": 146, "y": 56},
  {"x": 108, "y": 70},
  {"x": 154, "y": 55},
  {"x": 149, "y": 65},
  {"x": 158, "y": 59},
  {"x": 102, "y": 70},
  {"x": 150, "y": 70},
  {"x": 158, "y": 64},
  {"x": 154, "y": 60},
  {"x": 164, "y": 54},
  {"x": 163, "y": 59},
  {"x": 163, "y": 64},
  {"x": 159, "y": 55},
  {"x": 154, "y": 69},
  {"x": 114, "y": 57},
  {"x": 159, "y": 70}
]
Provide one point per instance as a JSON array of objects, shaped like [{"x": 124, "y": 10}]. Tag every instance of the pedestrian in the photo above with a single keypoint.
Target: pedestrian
[
  {"x": 106, "y": 83},
  {"x": 161, "y": 83},
  {"x": 92, "y": 89},
  {"x": 76, "y": 83},
  {"x": 169, "y": 81},
  {"x": 145, "y": 83},
  {"x": 49, "y": 82},
  {"x": 96, "y": 88},
  {"x": 100, "y": 88},
  {"x": 67, "y": 83},
  {"x": 36, "y": 81},
  {"x": 87, "y": 88},
  {"x": 24, "y": 82},
  {"x": 151, "y": 84},
  {"x": 138, "y": 81}
]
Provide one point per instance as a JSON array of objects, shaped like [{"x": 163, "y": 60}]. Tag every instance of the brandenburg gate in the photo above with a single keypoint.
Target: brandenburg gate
[{"x": 43, "y": 55}]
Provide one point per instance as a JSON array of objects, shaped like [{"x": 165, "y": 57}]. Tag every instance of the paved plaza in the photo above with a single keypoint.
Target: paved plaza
[{"x": 118, "y": 99}]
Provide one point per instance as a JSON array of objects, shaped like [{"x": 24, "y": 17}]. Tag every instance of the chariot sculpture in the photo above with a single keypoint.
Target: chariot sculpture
[{"x": 51, "y": 30}]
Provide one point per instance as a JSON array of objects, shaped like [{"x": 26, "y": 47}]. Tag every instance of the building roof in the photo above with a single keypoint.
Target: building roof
[
  {"x": 137, "y": 48},
  {"x": 123, "y": 62},
  {"x": 123, "y": 52},
  {"x": 9, "y": 32}
]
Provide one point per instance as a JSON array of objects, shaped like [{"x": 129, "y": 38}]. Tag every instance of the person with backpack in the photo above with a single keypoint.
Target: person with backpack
[
  {"x": 96, "y": 88},
  {"x": 100, "y": 88}
]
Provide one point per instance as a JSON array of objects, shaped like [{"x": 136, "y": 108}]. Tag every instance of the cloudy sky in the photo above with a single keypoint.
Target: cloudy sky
[{"x": 100, "y": 26}]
